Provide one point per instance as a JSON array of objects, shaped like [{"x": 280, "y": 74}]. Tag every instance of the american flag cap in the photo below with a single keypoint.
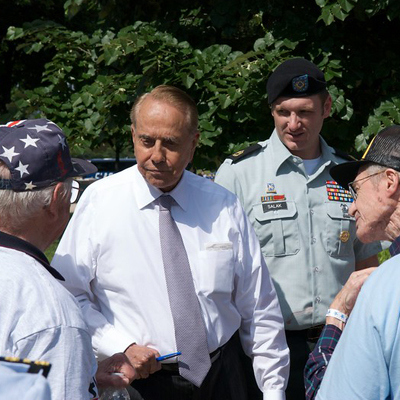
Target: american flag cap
[{"x": 37, "y": 154}]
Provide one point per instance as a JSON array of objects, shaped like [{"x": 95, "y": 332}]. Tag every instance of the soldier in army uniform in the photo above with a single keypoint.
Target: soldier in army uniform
[{"x": 299, "y": 213}]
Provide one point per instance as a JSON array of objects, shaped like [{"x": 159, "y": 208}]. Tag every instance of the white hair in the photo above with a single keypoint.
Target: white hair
[
  {"x": 375, "y": 169},
  {"x": 18, "y": 207}
]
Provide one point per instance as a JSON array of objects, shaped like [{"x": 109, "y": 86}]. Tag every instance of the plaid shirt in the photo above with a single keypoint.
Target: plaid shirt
[
  {"x": 319, "y": 358},
  {"x": 394, "y": 248}
]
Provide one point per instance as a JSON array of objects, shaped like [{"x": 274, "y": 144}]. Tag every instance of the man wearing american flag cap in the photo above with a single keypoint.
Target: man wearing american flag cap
[{"x": 40, "y": 320}]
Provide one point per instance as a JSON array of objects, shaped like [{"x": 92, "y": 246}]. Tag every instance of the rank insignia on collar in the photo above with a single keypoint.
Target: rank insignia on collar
[
  {"x": 300, "y": 83},
  {"x": 336, "y": 192},
  {"x": 238, "y": 153}
]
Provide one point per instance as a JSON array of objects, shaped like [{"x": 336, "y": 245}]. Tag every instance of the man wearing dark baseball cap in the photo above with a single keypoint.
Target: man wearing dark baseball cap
[
  {"x": 40, "y": 319},
  {"x": 298, "y": 212},
  {"x": 365, "y": 363}
]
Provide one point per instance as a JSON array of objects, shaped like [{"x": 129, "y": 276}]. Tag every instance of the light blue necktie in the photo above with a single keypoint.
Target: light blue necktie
[{"x": 190, "y": 332}]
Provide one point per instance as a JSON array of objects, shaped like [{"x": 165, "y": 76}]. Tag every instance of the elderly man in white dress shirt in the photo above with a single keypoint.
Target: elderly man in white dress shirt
[{"x": 112, "y": 260}]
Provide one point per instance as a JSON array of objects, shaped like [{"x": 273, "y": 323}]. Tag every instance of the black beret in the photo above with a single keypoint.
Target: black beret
[{"x": 296, "y": 77}]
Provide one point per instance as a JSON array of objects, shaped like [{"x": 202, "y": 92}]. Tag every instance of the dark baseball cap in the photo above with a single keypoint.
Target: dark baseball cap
[
  {"x": 384, "y": 150},
  {"x": 37, "y": 154},
  {"x": 296, "y": 77}
]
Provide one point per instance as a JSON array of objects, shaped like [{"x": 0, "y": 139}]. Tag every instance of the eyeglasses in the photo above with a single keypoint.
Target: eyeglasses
[
  {"x": 75, "y": 190},
  {"x": 352, "y": 189}
]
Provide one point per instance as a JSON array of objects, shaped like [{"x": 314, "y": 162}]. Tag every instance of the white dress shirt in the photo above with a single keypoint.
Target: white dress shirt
[{"x": 111, "y": 259}]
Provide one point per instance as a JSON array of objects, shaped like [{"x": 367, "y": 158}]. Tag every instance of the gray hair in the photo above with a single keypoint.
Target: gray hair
[
  {"x": 18, "y": 207},
  {"x": 375, "y": 169},
  {"x": 174, "y": 97}
]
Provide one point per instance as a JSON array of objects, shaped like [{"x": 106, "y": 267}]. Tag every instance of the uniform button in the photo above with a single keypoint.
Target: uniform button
[
  {"x": 313, "y": 240},
  {"x": 316, "y": 269},
  {"x": 312, "y": 212},
  {"x": 318, "y": 299}
]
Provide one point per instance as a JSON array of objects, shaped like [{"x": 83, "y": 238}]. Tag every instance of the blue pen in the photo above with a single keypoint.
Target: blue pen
[{"x": 161, "y": 358}]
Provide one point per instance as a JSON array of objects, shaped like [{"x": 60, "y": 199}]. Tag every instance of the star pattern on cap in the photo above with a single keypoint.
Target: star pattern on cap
[
  {"x": 9, "y": 153},
  {"x": 29, "y": 141},
  {"x": 36, "y": 153},
  {"x": 23, "y": 169},
  {"x": 40, "y": 128},
  {"x": 62, "y": 142},
  {"x": 29, "y": 186}
]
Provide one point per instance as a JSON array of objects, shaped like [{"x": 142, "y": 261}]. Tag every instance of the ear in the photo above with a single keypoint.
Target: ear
[
  {"x": 327, "y": 107},
  {"x": 58, "y": 201},
  {"x": 391, "y": 182}
]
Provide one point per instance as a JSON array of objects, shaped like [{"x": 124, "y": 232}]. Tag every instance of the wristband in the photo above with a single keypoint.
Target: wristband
[{"x": 337, "y": 314}]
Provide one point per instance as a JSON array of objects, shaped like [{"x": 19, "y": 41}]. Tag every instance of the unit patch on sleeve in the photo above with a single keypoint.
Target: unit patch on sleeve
[{"x": 336, "y": 192}]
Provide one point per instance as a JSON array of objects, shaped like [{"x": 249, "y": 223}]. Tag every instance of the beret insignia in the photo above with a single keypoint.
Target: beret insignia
[{"x": 300, "y": 83}]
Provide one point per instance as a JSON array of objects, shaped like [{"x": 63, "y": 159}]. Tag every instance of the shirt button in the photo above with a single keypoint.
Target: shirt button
[
  {"x": 313, "y": 240},
  {"x": 318, "y": 299},
  {"x": 312, "y": 212},
  {"x": 316, "y": 269}
]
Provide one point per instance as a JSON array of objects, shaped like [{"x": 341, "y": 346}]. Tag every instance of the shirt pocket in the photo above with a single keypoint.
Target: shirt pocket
[
  {"x": 277, "y": 230},
  {"x": 215, "y": 272},
  {"x": 340, "y": 231}
]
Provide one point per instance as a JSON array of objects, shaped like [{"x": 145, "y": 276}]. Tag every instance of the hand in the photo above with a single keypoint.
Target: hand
[
  {"x": 119, "y": 362},
  {"x": 346, "y": 298},
  {"x": 143, "y": 360}
]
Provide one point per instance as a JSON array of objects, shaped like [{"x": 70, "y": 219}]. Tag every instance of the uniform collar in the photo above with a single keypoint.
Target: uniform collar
[
  {"x": 146, "y": 194},
  {"x": 282, "y": 154},
  {"x": 15, "y": 243}
]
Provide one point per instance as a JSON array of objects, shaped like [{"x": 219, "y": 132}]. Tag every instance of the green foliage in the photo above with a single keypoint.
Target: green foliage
[
  {"x": 82, "y": 63},
  {"x": 383, "y": 256}
]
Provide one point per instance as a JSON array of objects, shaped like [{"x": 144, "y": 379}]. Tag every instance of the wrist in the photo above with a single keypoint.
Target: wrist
[
  {"x": 333, "y": 321},
  {"x": 337, "y": 318},
  {"x": 337, "y": 314}
]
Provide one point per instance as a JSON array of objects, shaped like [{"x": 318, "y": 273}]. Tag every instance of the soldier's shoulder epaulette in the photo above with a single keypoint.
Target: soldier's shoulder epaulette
[
  {"x": 235, "y": 157},
  {"x": 343, "y": 155}
]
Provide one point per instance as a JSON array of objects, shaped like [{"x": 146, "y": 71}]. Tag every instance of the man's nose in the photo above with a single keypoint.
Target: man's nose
[
  {"x": 293, "y": 122},
  {"x": 158, "y": 154}
]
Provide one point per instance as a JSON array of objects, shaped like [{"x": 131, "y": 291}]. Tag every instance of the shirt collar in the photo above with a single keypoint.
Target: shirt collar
[
  {"x": 146, "y": 193},
  {"x": 15, "y": 243},
  {"x": 281, "y": 152}
]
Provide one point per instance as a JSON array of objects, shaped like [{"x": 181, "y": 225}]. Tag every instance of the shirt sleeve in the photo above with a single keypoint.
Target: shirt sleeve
[
  {"x": 365, "y": 365},
  {"x": 75, "y": 259},
  {"x": 262, "y": 330},
  {"x": 319, "y": 358},
  {"x": 72, "y": 373},
  {"x": 226, "y": 177}
]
